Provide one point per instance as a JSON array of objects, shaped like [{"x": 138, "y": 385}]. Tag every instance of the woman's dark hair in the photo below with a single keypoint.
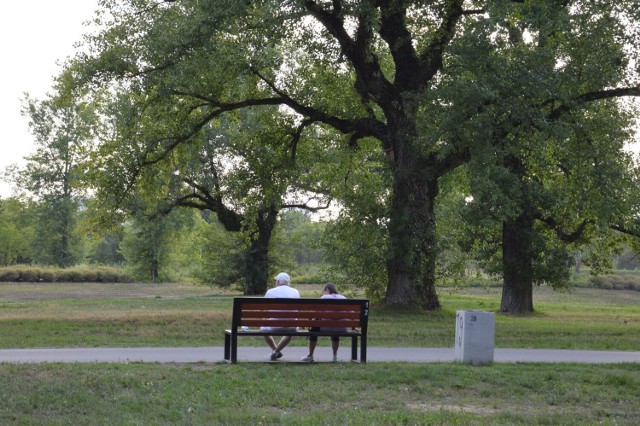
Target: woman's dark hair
[{"x": 331, "y": 287}]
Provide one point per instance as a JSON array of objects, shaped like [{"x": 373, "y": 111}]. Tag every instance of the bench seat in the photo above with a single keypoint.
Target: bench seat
[{"x": 351, "y": 315}]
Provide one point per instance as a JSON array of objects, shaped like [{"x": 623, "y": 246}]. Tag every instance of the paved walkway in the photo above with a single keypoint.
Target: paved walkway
[{"x": 295, "y": 353}]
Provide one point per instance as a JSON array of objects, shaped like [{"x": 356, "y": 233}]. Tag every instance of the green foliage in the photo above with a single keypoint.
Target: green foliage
[
  {"x": 297, "y": 244},
  {"x": 356, "y": 243},
  {"x": 628, "y": 260},
  {"x": 57, "y": 240},
  {"x": 17, "y": 229},
  {"x": 150, "y": 245},
  {"x": 357, "y": 255},
  {"x": 211, "y": 104},
  {"x": 217, "y": 254},
  {"x": 63, "y": 133},
  {"x": 458, "y": 255},
  {"x": 106, "y": 249},
  {"x": 12, "y": 243},
  {"x": 547, "y": 164}
]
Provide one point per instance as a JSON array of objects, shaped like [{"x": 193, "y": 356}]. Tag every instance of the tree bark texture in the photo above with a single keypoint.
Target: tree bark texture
[
  {"x": 153, "y": 270},
  {"x": 517, "y": 251},
  {"x": 257, "y": 255},
  {"x": 412, "y": 232},
  {"x": 517, "y": 288}
]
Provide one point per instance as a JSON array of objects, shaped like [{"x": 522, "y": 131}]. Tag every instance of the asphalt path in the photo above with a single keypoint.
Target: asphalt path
[{"x": 212, "y": 354}]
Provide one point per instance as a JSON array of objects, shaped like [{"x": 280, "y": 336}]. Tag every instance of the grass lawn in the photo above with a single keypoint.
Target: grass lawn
[
  {"x": 87, "y": 315},
  {"x": 320, "y": 394},
  {"x": 77, "y": 315}
]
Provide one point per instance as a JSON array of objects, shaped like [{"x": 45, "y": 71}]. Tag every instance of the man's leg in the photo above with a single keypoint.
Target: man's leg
[
  {"x": 313, "y": 341},
  {"x": 335, "y": 344},
  {"x": 283, "y": 342},
  {"x": 312, "y": 347},
  {"x": 270, "y": 342}
]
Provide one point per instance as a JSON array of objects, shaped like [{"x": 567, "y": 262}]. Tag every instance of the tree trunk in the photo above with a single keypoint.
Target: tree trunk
[
  {"x": 66, "y": 258},
  {"x": 257, "y": 256},
  {"x": 517, "y": 251},
  {"x": 153, "y": 270},
  {"x": 412, "y": 232},
  {"x": 517, "y": 288}
]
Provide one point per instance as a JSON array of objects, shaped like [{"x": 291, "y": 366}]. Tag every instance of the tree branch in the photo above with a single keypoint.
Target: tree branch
[
  {"x": 305, "y": 206},
  {"x": 563, "y": 236},
  {"x": 231, "y": 220},
  {"x": 594, "y": 96},
  {"x": 366, "y": 126},
  {"x": 398, "y": 38},
  {"x": 622, "y": 229},
  {"x": 296, "y": 138},
  {"x": 220, "y": 108},
  {"x": 370, "y": 81},
  {"x": 434, "y": 52}
]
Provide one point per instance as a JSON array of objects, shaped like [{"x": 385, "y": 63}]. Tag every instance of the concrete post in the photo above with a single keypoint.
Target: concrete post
[{"x": 475, "y": 337}]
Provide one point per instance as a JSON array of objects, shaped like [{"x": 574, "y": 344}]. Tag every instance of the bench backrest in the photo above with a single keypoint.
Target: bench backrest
[{"x": 303, "y": 312}]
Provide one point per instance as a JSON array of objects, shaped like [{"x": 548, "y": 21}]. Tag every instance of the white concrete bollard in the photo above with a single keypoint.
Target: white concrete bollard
[{"x": 475, "y": 337}]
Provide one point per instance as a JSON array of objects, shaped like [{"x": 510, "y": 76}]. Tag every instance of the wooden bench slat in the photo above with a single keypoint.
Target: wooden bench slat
[
  {"x": 302, "y": 315},
  {"x": 318, "y": 307},
  {"x": 300, "y": 333},
  {"x": 298, "y": 323}
]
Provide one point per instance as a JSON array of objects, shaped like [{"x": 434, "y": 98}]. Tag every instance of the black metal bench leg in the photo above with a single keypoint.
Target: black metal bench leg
[
  {"x": 354, "y": 348},
  {"x": 363, "y": 349},
  {"x": 227, "y": 341},
  {"x": 234, "y": 348}
]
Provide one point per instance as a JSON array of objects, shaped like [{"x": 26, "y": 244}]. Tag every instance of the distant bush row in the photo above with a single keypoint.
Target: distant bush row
[
  {"x": 616, "y": 282},
  {"x": 100, "y": 274}
]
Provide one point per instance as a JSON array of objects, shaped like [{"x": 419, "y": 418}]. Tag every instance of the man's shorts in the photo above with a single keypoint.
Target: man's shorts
[{"x": 333, "y": 338}]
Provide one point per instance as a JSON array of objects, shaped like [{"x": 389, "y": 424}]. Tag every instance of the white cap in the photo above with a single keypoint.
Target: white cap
[{"x": 283, "y": 277}]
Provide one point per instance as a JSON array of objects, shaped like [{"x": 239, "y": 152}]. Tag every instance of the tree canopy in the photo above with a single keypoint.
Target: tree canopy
[{"x": 435, "y": 84}]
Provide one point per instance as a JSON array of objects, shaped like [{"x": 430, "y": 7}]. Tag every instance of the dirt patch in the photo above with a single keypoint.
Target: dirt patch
[
  {"x": 50, "y": 291},
  {"x": 452, "y": 408}
]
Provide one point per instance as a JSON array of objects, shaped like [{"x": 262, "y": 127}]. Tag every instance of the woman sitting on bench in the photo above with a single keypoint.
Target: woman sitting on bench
[{"x": 329, "y": 292}]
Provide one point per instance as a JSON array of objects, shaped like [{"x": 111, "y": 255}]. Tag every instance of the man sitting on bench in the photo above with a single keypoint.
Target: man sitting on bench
[{"x": 282, "y": 289}]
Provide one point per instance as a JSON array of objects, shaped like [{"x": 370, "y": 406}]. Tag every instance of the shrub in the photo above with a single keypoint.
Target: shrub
[
  {"x": 89, "y": 276},
  {"x": 107, "y": 275},
  {"x": 8, "y": 275},
  {"x": 70, "y": 276},
  {"x": 48, "y": 275},
  {"x": 29, "y": 275},
  {"x": 616, "y": 282}
]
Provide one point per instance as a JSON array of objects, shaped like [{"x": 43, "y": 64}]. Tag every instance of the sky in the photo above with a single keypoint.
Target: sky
[{"x": 37, "y": 34}]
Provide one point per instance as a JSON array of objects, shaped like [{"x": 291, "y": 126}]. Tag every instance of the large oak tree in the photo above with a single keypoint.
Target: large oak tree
[{"x": 559, "y": 141}]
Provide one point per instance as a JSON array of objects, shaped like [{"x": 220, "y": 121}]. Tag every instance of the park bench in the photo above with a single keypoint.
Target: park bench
[{"x": 251, "y": 313}]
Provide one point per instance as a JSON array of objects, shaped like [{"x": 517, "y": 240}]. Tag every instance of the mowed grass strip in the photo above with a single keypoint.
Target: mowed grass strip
[
  {"x": 320, "y": 394},
  {"x": 582, "y": 319}
]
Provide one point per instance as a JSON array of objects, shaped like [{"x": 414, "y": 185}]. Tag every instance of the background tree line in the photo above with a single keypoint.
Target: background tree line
[
  {"x": 183, "y": 246},
  {"x": 192, "y": 246},
  {"x": 449, "y": 133}
]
